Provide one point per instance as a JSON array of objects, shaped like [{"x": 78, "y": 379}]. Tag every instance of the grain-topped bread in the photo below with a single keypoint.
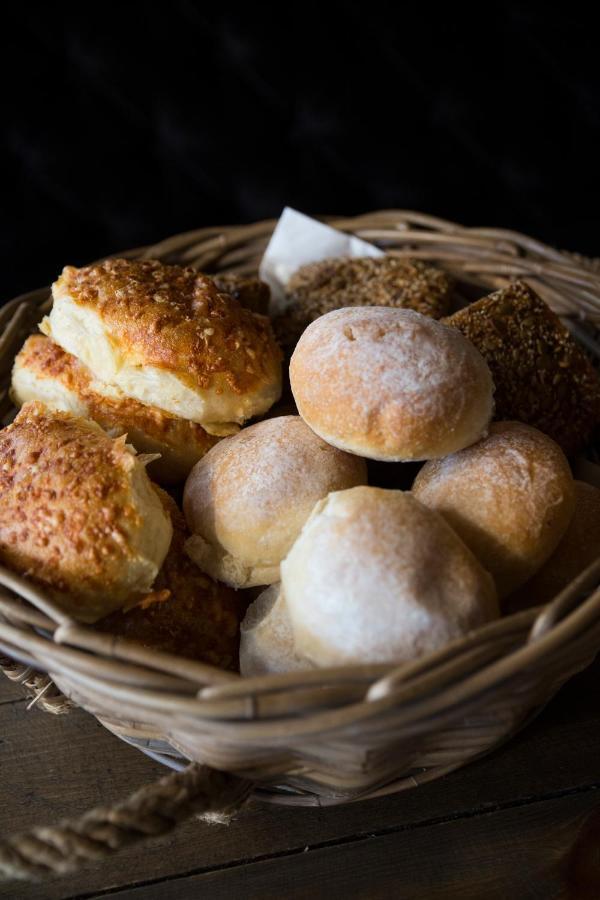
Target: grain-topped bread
[
  {"x": 167, "y": 337},
  {"x": 510, "y": 497},
  {"x": 390, "y": 384},
  {"x": 44, "y": 371},
  {"x": 377, "y": 577},
  {"x": 186, "y": 613},
  {"x": 320, "y": 287},
  {"x": 78, "y": 512},
  {"x": 247, "y": 499},
  {"x": 541, "y": 373}
]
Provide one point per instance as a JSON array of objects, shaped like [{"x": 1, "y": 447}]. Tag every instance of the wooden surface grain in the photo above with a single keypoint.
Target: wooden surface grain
[{"x": 504, "y": 826}]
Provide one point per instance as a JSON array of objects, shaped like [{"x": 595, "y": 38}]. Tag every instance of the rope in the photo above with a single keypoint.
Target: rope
[{"x": 152, "y": 811}]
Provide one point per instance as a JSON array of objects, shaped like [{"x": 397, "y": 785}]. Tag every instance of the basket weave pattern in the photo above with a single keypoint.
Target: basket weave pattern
[{"x": 322, "y": 736}]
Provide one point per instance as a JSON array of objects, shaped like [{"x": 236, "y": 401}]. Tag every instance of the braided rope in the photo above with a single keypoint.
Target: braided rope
[{"x": 151, "y": 811}]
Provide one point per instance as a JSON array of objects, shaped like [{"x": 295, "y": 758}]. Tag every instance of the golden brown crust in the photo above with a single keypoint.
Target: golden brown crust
[
  {"x": 510, "y": 498},
  {"x": 577, "y": 550},
  {"x": 187, "y": 613},
  {"x": 319, "y": 287},
  {"x": 174, "y": 318},
  {"x": 390, "y": 384},
  {"x": 69, "y": 514},
  {"x": 145, "y": 425},
  {"x": 542, "y": 375}
]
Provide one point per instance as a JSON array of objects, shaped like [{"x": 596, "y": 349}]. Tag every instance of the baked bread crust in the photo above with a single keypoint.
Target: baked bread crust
[
  {"x": 377, "y": 577},
  {"x": 166, "y": 336},
  {"x": 510, "y": 498},
  {"x": 78, "y": 512},
  {"x": 246, "y": 501},
  {"x": 390, "y": 384},
  {"x": 44, "y": 371}
]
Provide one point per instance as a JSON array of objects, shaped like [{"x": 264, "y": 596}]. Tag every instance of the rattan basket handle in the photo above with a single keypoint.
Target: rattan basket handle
[{"x": 152, "y": 811}]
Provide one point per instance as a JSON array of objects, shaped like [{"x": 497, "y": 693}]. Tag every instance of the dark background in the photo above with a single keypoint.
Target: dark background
[{"x": 122, "y": 124}]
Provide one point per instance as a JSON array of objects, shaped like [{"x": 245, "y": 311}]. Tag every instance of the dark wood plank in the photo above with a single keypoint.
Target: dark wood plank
[
  {"x": 521, "y": 853},
  {"x": 10, "y": 692},
  {"x": 59, "y": 766}
]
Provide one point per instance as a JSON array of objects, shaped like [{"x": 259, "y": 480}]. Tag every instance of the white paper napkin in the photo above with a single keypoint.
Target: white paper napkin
[{"x": 298, "y": 240}]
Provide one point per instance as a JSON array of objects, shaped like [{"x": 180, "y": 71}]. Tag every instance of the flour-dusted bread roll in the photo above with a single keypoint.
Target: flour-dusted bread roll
[
  {"x": 78, "y": 512},
  {"x": 578, "y": 549},
  {"x": 375, "y": 576},
  {"x": 166, "y": 336},
  {"x": 510, "y": 498},
  {"x": 44, "y": 371},
  {"x": 266, "y": 638},
  {"x": 247, "y": 499},
  {"x": 391, "y": 384}
]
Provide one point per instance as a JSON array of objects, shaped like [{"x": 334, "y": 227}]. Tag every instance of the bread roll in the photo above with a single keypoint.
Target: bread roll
[
  {"x": 266, "y": 639},
  {"x": 510, "y": 498},
  {"x": 186, "y": 613},
  {"x": 165, "y": 336},
  {"x": 578, "y": 549},
  {"x": 319, "y": 287},
  {"x": 247, "y": 499},
  {"x": 541, "y": 373},
  {"x": 390, "y": 384},
  {"x": 44, "y": 371},
  {"x": 377, "y": 577},
  {"x": 78, "y": 512}
]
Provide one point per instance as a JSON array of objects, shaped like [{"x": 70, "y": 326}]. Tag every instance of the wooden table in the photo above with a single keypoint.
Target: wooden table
[{"x": 504, "y": 827}]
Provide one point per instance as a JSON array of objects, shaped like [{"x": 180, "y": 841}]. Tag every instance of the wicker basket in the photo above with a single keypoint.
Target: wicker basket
[{"x": 323, "y": 736}]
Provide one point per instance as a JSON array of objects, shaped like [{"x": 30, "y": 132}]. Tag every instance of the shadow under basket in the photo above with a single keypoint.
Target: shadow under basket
[{"x": 323, "y": 736}]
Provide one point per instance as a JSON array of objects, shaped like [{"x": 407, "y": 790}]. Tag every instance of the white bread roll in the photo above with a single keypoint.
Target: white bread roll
[
  {"x": 377, "y": 577},
  {"x": 578, "y": 549},
  {"x": 391, "y": 384},
  {"x": 246, "y": 501},
  {"x": 510, "y": 498},
  {"x": 266, "y": 639}
]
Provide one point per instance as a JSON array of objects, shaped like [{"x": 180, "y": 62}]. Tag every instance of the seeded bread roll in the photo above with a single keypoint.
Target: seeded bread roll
[
  {"x": 577, "y": 550},
  {"x": 247, "y": 499},
  {"x": 377, "y": 577},
  {"x": 510, "y": 498},
  {"x": 164, "y": 335},
  {"x": 186, "y": 613},
  {"x": 542, "y": 375},
  {"x": 320, "y": 287},
  {"x": 391, "y": 384},
  {"x": 44, "y": 371},
  {"x": 78, "y": 512}
]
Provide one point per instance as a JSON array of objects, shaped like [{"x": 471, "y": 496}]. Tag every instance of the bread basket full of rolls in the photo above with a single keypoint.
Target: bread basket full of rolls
[{"x": 307, "y": 510}]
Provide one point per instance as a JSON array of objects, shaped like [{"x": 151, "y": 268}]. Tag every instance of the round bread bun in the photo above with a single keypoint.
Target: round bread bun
[
  {"x": 266, "y": 638},
  {"x": 578, "y": 549},
  {"x": 166, "y": 336},
  {"x": 391, "y": 384},
  {"x": 510, "y": 498},
  {"x": 78, "y": 512},
  {"x": 377, "y": 577},
  {"x": 246, "y": 501}
]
